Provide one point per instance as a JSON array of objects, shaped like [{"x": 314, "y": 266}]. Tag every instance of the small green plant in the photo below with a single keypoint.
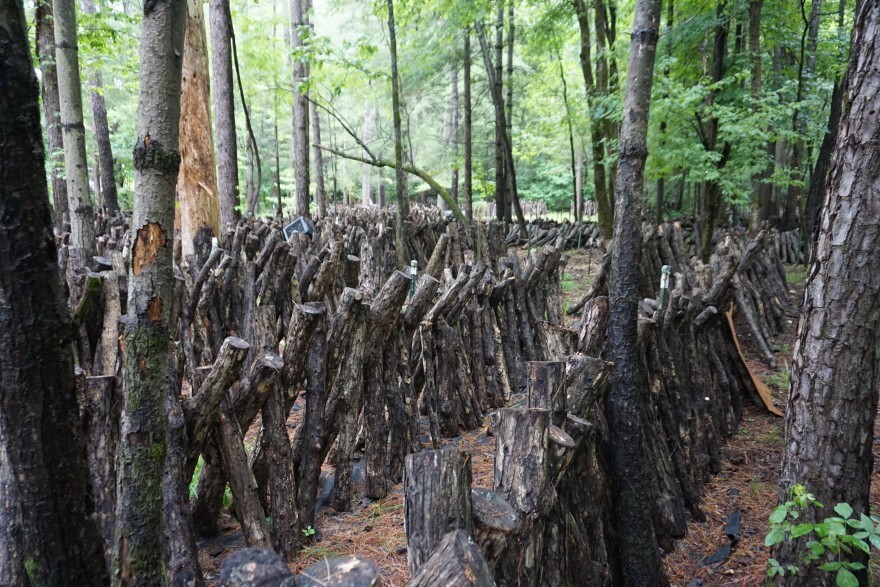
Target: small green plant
[
  {"x": 780, "y": 379},
  {"x": 568, "y": 284},
  {"x": 831, "y": 535},
  {"x": 308, "y": 531}
]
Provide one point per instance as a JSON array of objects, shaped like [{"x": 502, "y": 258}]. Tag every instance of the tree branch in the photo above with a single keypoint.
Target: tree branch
[{"x": 420, "y": 173}]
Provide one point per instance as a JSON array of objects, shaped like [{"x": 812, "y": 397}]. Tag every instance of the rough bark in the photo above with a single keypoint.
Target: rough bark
[
  {"x": 318, "y": 159},
  {"x": 604, "y": 207},
  {"x": 102, "y": 133},
  {"x": 755, "y": 9},
  {"x": 399, "y": 177},
  {"x": 197, "y": 181},
  {"x": 49, "y": 534},
  {"x": 637, "y": 543},
  {"x": 437, "y": 500},
  {"x": 831, "y": 408},
  {"x": 79, "y": 202},
  {"x": 300, "y": 108},
  {"x": 457, "y": 562},
  {"x": 502, "y": 203},
  {"x": 51, "y": 108},
  {"x": 468, "y": 131},
  {"x": 137, "y": 557},
  {"x": 224, "y": 112}
]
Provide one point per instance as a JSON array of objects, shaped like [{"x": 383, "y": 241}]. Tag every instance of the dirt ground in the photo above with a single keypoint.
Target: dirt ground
[{"x": 747, "y": 483}]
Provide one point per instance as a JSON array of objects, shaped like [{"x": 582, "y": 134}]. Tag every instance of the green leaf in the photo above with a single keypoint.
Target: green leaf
[
  {"x": 854, "y": 566},
  {"x": 774, "y": 537},
  {"x": 801, "y": 530},
  {"x": 846, "y": 579},
  {"x": 844, "y": 509},
  {"x": 779, "y": 514},
  {"x": 832, "y": 566}
]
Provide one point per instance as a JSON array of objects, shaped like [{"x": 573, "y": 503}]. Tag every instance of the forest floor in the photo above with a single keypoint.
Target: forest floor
[{"x": 747, "y": 483}]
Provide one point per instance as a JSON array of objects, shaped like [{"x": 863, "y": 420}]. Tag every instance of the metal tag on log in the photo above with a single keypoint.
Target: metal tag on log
[{"x": 300, "y": 225}]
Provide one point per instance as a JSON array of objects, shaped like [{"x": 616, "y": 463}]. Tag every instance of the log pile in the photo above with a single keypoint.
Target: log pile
[
  {"x": 551, "y": 456},
  {"x": 566, "y": 235},
  {"x": 328, "y": 328},
  {"x": 369, "y": 356}
]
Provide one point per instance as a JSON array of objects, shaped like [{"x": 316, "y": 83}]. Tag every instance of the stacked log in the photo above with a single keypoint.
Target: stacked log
[{"x": 551, "y": 457}]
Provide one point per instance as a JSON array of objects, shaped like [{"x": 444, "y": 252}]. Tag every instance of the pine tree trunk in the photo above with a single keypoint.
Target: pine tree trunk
[
  {"x": 102, "y": 133},
  {"x": 399, "y": 174},
  {"x": 453, "y": 189},
  {"x": 366, "y": 176},
  {"x": 82, "y": 217},
  {"x": 832, "y": 406},
  {"x": 600, "y": 186},
  {"x": 224, "y": 112},
  {"x": 816, "y": 191},
  {"x": 300, "y": 109},
  {"x": 502, "y": 204},
  {"x": 138, "y": 553},
  {"x": 468, "y": 131},
  {"x": 632, "y": 513},
  {"x": 49, "y": 534},
  {"x": 51, "y": 108},
  {"x": 758, "y": 189},
  {"x": 318, "y": 158},
  {"x": 197, "y": 181}
]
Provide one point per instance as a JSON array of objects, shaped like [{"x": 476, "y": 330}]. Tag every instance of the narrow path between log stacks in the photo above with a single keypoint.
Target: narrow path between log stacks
[{"x": 747, "y": 485}]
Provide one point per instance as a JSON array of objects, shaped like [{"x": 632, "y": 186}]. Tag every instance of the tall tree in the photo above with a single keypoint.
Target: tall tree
[
  {"x": 298, "y": 11},
  {"x": 399, "y": 173},
  {"x": 51, "y": 107},
  {"x": 632, "y": 512},
  {"x": 224, "y": 112},
  {"x": 49, "y": 534},
  {"x": 317, "y": 155},
  {"x": 806, "y": 65},
  {"x": 711, "y": 203},
  {"x": 816, "y": 191},
  {"x": 759, "y": 187},
  {"x": 454, "y": 107},
  {"x": 137, "y": 557},
  {"x": 82, "y": 229},
  {"x": 468, "y": 130},
  {"x": 366, "y": 176},
  {"x": 501, "y": 122},
  {"x": 197, "y": 180},
  {"x": 102, "y": 131},
  {"x": 502, "y": 203},
  {"x": 829, "y": 421},
  {"x": 604, "y": 206}
]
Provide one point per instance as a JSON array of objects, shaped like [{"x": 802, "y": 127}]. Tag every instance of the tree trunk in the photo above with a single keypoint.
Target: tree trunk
[
  {"x": 196, "y": 182},
  {"x": 51, "y": 108},
  {"x": 468, "y": 131},
  {"x": 604, "y": 207},
  {"x": 711, "y": 203},
  {"x": 224, "y": 112},
  {"x": 632, "y": 513},
  {"x": 502, "y": 204},
  {"x": 399, "y": 175},
  {"x": 137, "y": 557},
  {"x": 102, "y": 133},
  {"x": 498, "y": 102},
  {"x": 816, "y": 191},
  {"x": 577, "y": 213},
  {"x": 455, "y": 131},
  {"x": 831, "y": 406},
  {"x": 49, "y": 533},
  {"x": 318, "y": 158},
  {"x": 366, "y": 179},
  {"x": 82, "y": 217},
  {"x": 791, "y": 217},
  {"x": 758, "y": 188},
  {"x": 300, "y": 108}
]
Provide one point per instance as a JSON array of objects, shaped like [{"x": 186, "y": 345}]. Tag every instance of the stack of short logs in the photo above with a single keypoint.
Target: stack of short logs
[
  {"x": 328, "y": 328},
  {"x": 369, "y": 358}
]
